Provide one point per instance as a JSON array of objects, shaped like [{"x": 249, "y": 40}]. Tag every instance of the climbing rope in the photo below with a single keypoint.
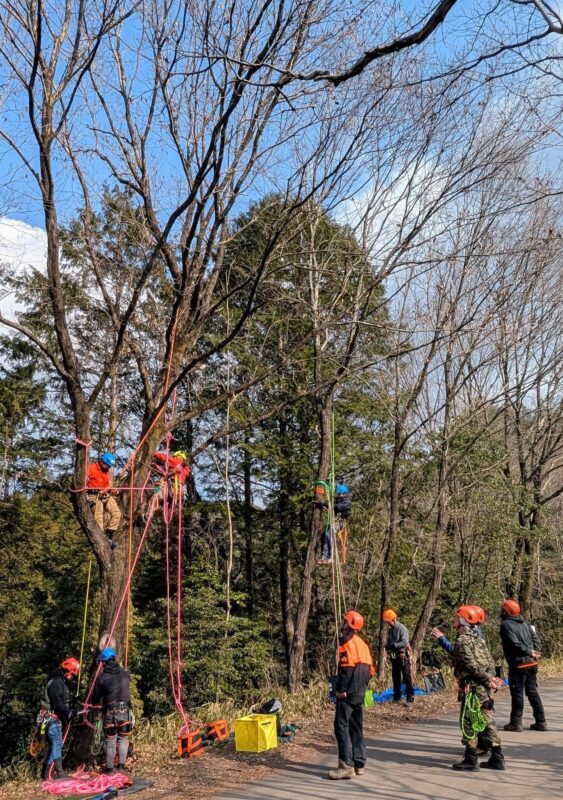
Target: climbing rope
[
  {"x": 471, "y": 720},
  {"x": 84, "y": 624}
]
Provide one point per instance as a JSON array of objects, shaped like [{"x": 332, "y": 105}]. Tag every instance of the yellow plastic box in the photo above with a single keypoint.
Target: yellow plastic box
[{"x": 256, "y": 733}]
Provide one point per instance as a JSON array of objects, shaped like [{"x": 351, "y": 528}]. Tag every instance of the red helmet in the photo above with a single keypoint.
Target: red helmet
[
  {"x": 354, "y": 620},
  {"x": 389, "y": 615},
  {"x": 71, "y": 666},
  {"x": 472, "y": 614},
  {"x": 511, "y": 607}
]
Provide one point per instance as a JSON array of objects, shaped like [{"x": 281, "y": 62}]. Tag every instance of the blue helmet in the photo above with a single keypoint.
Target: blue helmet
[
  {"x": 341, "y": 488},
  {"x": 107, "y": 653},
  {"x": 108, "y": 459}
]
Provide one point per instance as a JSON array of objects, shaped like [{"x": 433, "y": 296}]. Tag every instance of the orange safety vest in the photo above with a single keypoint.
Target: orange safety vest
[{"x": 355, "y": 651}]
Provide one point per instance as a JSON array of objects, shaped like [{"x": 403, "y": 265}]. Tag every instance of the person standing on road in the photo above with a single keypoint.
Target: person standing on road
[
  {"x": 398, "y": 648},
  {"x": 475, "y": 672},
  {"x": 522, "y": 650},
  {"x": 355, "y": 668}
]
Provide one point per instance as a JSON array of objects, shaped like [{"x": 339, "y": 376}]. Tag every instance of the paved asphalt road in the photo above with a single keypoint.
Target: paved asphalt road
[{"x": 415, "y": 762}]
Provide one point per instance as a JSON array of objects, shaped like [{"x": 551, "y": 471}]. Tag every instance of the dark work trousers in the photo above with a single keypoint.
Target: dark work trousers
[
  {"x": 348, "y": 729},
  {"x": 520, "y": 681},
  {"x": 401, "y": 672}
]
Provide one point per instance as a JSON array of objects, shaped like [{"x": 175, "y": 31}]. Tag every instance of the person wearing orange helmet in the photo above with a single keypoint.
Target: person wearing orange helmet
[
  {"x": 355, "y": 668},
  {"x": 475, "y": 671},
  {"x": 398, "y": 649},
  {"x": 522, "y": 650},
  {"x": 54, "y": 712},
  {"x": 443, "y": 640}
]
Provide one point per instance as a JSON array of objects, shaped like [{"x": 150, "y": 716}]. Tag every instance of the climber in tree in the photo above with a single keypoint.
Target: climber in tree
[
  {"x": 100, "y": 495},
  {"x": 342, "y": 504},
  {"x": 173, "y": 467}
]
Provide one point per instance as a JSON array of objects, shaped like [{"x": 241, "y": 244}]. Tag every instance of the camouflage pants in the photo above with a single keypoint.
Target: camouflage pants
[{"x": 490, "y": 735}]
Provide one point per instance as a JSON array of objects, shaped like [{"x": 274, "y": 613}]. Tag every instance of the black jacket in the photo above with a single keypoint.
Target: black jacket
[
  {"x": 112, "y": 686},
  {"x": 343, "y": 505},
  {"x": 57, "y": 696},
  {"x": 518, "y": 641}
]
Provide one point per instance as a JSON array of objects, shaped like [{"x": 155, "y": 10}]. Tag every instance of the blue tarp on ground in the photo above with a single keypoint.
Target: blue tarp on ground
[
  {"x": 378, "y": 697},
  {"x": 387, "y": 695}
]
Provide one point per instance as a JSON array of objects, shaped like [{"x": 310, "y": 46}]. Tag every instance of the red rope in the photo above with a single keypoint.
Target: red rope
[
  {"x": 152, "y": 508},
  {"x": 175, "y": 674}
]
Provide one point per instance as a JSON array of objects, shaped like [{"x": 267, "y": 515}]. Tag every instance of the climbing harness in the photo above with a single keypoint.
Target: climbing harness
[{"x": 471, "y": 720}]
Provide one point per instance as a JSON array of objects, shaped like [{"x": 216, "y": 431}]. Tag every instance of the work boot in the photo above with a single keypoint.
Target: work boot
[
  {"x": 122, "y": 768},
  {"x": 45, "y": 771},
  {"x": 342, "y": 772},
  {"x": 110, "y": 534},
  {"x": 469, "y": 762},
  {"x": 538, "y": 726},
  {"x": 514, "y": 727},
  {"x": 496, "y": 761},
  {"x": 108, "y": 770},
  {"x": 60, "y": 774},
  {"x": 359, "y": 770},
  {"x": 410, "y": 699}
]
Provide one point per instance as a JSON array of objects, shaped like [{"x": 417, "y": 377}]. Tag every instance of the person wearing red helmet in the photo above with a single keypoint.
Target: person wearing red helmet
[
  {"x": 355, "y": 668},
  {"x": 55, "y": 711},
  {"x": 522, "y": 650},
  {"x": 475, "y": 671},
  {"x": 399, "y": 651}
]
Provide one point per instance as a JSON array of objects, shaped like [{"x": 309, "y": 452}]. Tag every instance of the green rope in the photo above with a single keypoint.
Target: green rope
[{"x": 471, "y": 720}]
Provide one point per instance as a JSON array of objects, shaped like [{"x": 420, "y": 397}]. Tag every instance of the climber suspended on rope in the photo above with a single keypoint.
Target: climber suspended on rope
[
  {"x": 342, "y": 504},
  {"x": 173, "y": 469},
  {"x": 112, "y": 693},
  {"x": 101, "y": 495},
  {"x": 338, "y": 504},
  {"x": 55, "y": 711}
]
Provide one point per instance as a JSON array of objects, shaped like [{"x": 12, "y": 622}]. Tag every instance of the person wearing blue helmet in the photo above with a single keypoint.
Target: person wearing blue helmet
[
  {"x": 100, "y": 495},
  {"x": 342, "y": 502},
  {"x": 111, "y": 692}
]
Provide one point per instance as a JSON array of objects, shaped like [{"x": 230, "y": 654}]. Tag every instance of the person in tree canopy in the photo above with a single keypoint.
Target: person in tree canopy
[
  {"x": 342, "y": 501},
  {"x": 112, "y": 693},
  {"x": 100, "y": 495},
  {"x": 355, "y": 668},
  {"x": 172, "y": 465},
  {"x": 54, "y": 712},
  {"x": 398, "y": 648},
  {"x": 475, "y": 671}
]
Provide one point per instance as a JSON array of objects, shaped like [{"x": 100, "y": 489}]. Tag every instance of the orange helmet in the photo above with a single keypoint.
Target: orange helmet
[
  {"x": 481, "y": 616},
  {"x": 511, "y": 607},
  {"x": 70, "y": 666},
  {"x": 389, "y": 615},
  {"x": 472, "y": 614},
  {"x": 354, "y": 620}
]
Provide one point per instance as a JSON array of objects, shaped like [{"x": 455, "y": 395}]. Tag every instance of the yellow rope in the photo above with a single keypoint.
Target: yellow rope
[{"x": 84, "y": 623}]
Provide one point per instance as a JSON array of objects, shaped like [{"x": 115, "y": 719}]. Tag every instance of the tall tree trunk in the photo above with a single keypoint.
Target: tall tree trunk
[
  {"x": 394, "y": 489},
  {"x": 247, "y": 516},
  {"x": 285, "y": 523},
  {"x": 441, "y": 517},
  {"x": 297, "y": 650}
]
